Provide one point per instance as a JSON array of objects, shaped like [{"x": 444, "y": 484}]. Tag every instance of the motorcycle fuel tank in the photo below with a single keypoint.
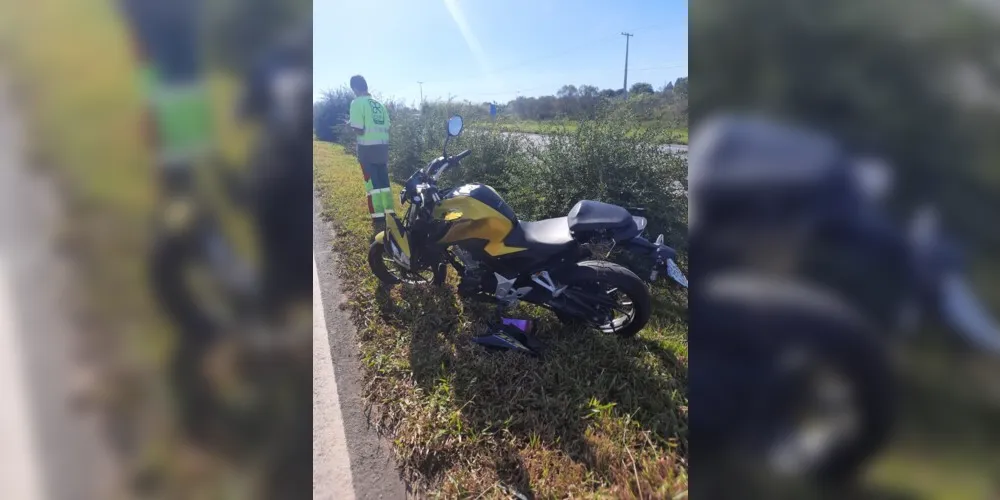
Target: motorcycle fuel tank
[{"x": 477, "y": 212}]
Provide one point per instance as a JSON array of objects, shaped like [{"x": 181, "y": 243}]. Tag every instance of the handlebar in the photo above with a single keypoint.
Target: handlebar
[{"x": 434, "y": 173}]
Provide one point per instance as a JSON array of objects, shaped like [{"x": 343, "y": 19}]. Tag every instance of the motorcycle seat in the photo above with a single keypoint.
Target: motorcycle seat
[
  {"x": 592, "y": 216},
  {"x": 546, "y": 236}
]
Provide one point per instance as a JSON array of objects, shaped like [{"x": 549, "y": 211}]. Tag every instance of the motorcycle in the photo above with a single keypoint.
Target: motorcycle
[{"x": 553, "y": 263}]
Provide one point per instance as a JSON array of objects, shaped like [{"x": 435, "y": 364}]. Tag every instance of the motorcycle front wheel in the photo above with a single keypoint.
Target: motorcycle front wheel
[
  {"x": 628, "y": 292},
  {"x": 390, "y": 273},
  {"x": 170, "y": 255}
]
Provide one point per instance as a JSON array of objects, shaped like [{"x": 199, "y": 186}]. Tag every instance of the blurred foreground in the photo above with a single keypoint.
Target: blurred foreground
[
  {"x": 160, "y": 165},
  {"x": 844, "y": 250}
]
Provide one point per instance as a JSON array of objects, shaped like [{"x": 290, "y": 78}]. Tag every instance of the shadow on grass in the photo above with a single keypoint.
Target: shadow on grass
[
  {"x": 948, "y": 423},
  {"x": 592, "y": 397},
  {"x": 882, "y": 493},
  {"x": 670, "y": 304}
]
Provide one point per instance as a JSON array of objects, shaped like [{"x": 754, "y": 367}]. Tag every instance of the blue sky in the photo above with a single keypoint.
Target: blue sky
[{"x": 486, "y": 50}]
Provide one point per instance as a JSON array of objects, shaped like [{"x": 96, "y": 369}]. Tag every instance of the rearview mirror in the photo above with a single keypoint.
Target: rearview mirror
[{"x": 455, "y": 125}]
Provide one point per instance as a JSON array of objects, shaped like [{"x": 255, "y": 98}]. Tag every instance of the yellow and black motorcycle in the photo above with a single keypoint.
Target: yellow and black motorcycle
[{"x": 553, "y": 263}]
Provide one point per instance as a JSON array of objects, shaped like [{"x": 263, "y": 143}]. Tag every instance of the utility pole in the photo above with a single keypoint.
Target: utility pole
[
  {"x": 625, "y": 84},
  {"x": 421, "y": 93}
]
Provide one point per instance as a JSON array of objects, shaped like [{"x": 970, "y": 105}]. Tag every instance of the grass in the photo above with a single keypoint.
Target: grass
[
  {"x": 599, "y": 417},
  {"x": 949, "y": 423},
  {"x": 677, "y": 135},
  {"x": 83, "y": 107}
]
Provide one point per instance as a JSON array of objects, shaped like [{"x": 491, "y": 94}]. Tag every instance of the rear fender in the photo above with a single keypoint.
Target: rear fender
[{"x": 662, "y": 256}]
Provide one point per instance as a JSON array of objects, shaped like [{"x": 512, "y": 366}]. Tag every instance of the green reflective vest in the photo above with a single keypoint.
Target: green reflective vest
[{"x": 371, "y": 116}]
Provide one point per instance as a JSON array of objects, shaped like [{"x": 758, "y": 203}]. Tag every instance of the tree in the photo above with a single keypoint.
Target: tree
[
  {"x": 610, "y": 93},
  {"x": 548, "y": 108},
  {"x": 589, "y": 97},
  {"x": 588, "y": 91},
  {"x": 641, "y": 88},
  {"x": 567, "y": 92},
  {"x": 584, "y": 102},
  {"x": 331, "y": 112}
]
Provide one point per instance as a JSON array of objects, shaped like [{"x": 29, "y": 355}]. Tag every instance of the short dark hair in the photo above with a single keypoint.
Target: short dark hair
[{"x": 358, "y": 83}]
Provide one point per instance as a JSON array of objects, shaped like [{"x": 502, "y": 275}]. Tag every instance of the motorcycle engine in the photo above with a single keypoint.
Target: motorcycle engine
[{"x": 472, "y": 279}]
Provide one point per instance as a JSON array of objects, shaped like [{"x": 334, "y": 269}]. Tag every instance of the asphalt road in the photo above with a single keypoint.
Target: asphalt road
[
  {"x": 47, "y": 449},
  {"x": 542, "y": 139},
  {"x": 350, "y": 461}
]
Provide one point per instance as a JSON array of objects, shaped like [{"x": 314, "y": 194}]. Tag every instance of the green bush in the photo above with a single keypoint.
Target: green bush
[
  {"x": 329, "y": 115},
  {"x": 415, "y": 139}
]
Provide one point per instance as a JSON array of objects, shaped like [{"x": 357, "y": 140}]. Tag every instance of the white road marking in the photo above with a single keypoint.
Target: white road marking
[
  {"x": 331, "y": 461},
  {"x": 20, "y": 470}
]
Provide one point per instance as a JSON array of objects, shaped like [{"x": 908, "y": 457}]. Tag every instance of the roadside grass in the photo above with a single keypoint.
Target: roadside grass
[
  {"x": 555, "y": 127},
  {"x": 945, "y": 443},
  {"x": 73, "y": 64},
  {"x": 599, "y": 417}
]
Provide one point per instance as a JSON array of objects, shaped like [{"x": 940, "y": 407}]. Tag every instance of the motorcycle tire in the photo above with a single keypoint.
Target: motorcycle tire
[
  {"x": 197, "y": 410},
  {"x": 751, "y": 325},
  {"x": 376, "y": 261},
  {"x": 170, "y": 253},
  {"x": 586, "y": 273}
]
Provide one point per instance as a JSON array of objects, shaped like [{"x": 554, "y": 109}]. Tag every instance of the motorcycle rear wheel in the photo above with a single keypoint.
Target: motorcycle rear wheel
[
  {"x": 785, "y": 361},
  {"x": 630, "y": 291}
]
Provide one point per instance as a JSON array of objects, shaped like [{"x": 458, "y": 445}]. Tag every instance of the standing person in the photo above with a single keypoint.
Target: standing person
[
  {"x": 173, "y": 83},
  {"x": 370, "y": 120}
]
